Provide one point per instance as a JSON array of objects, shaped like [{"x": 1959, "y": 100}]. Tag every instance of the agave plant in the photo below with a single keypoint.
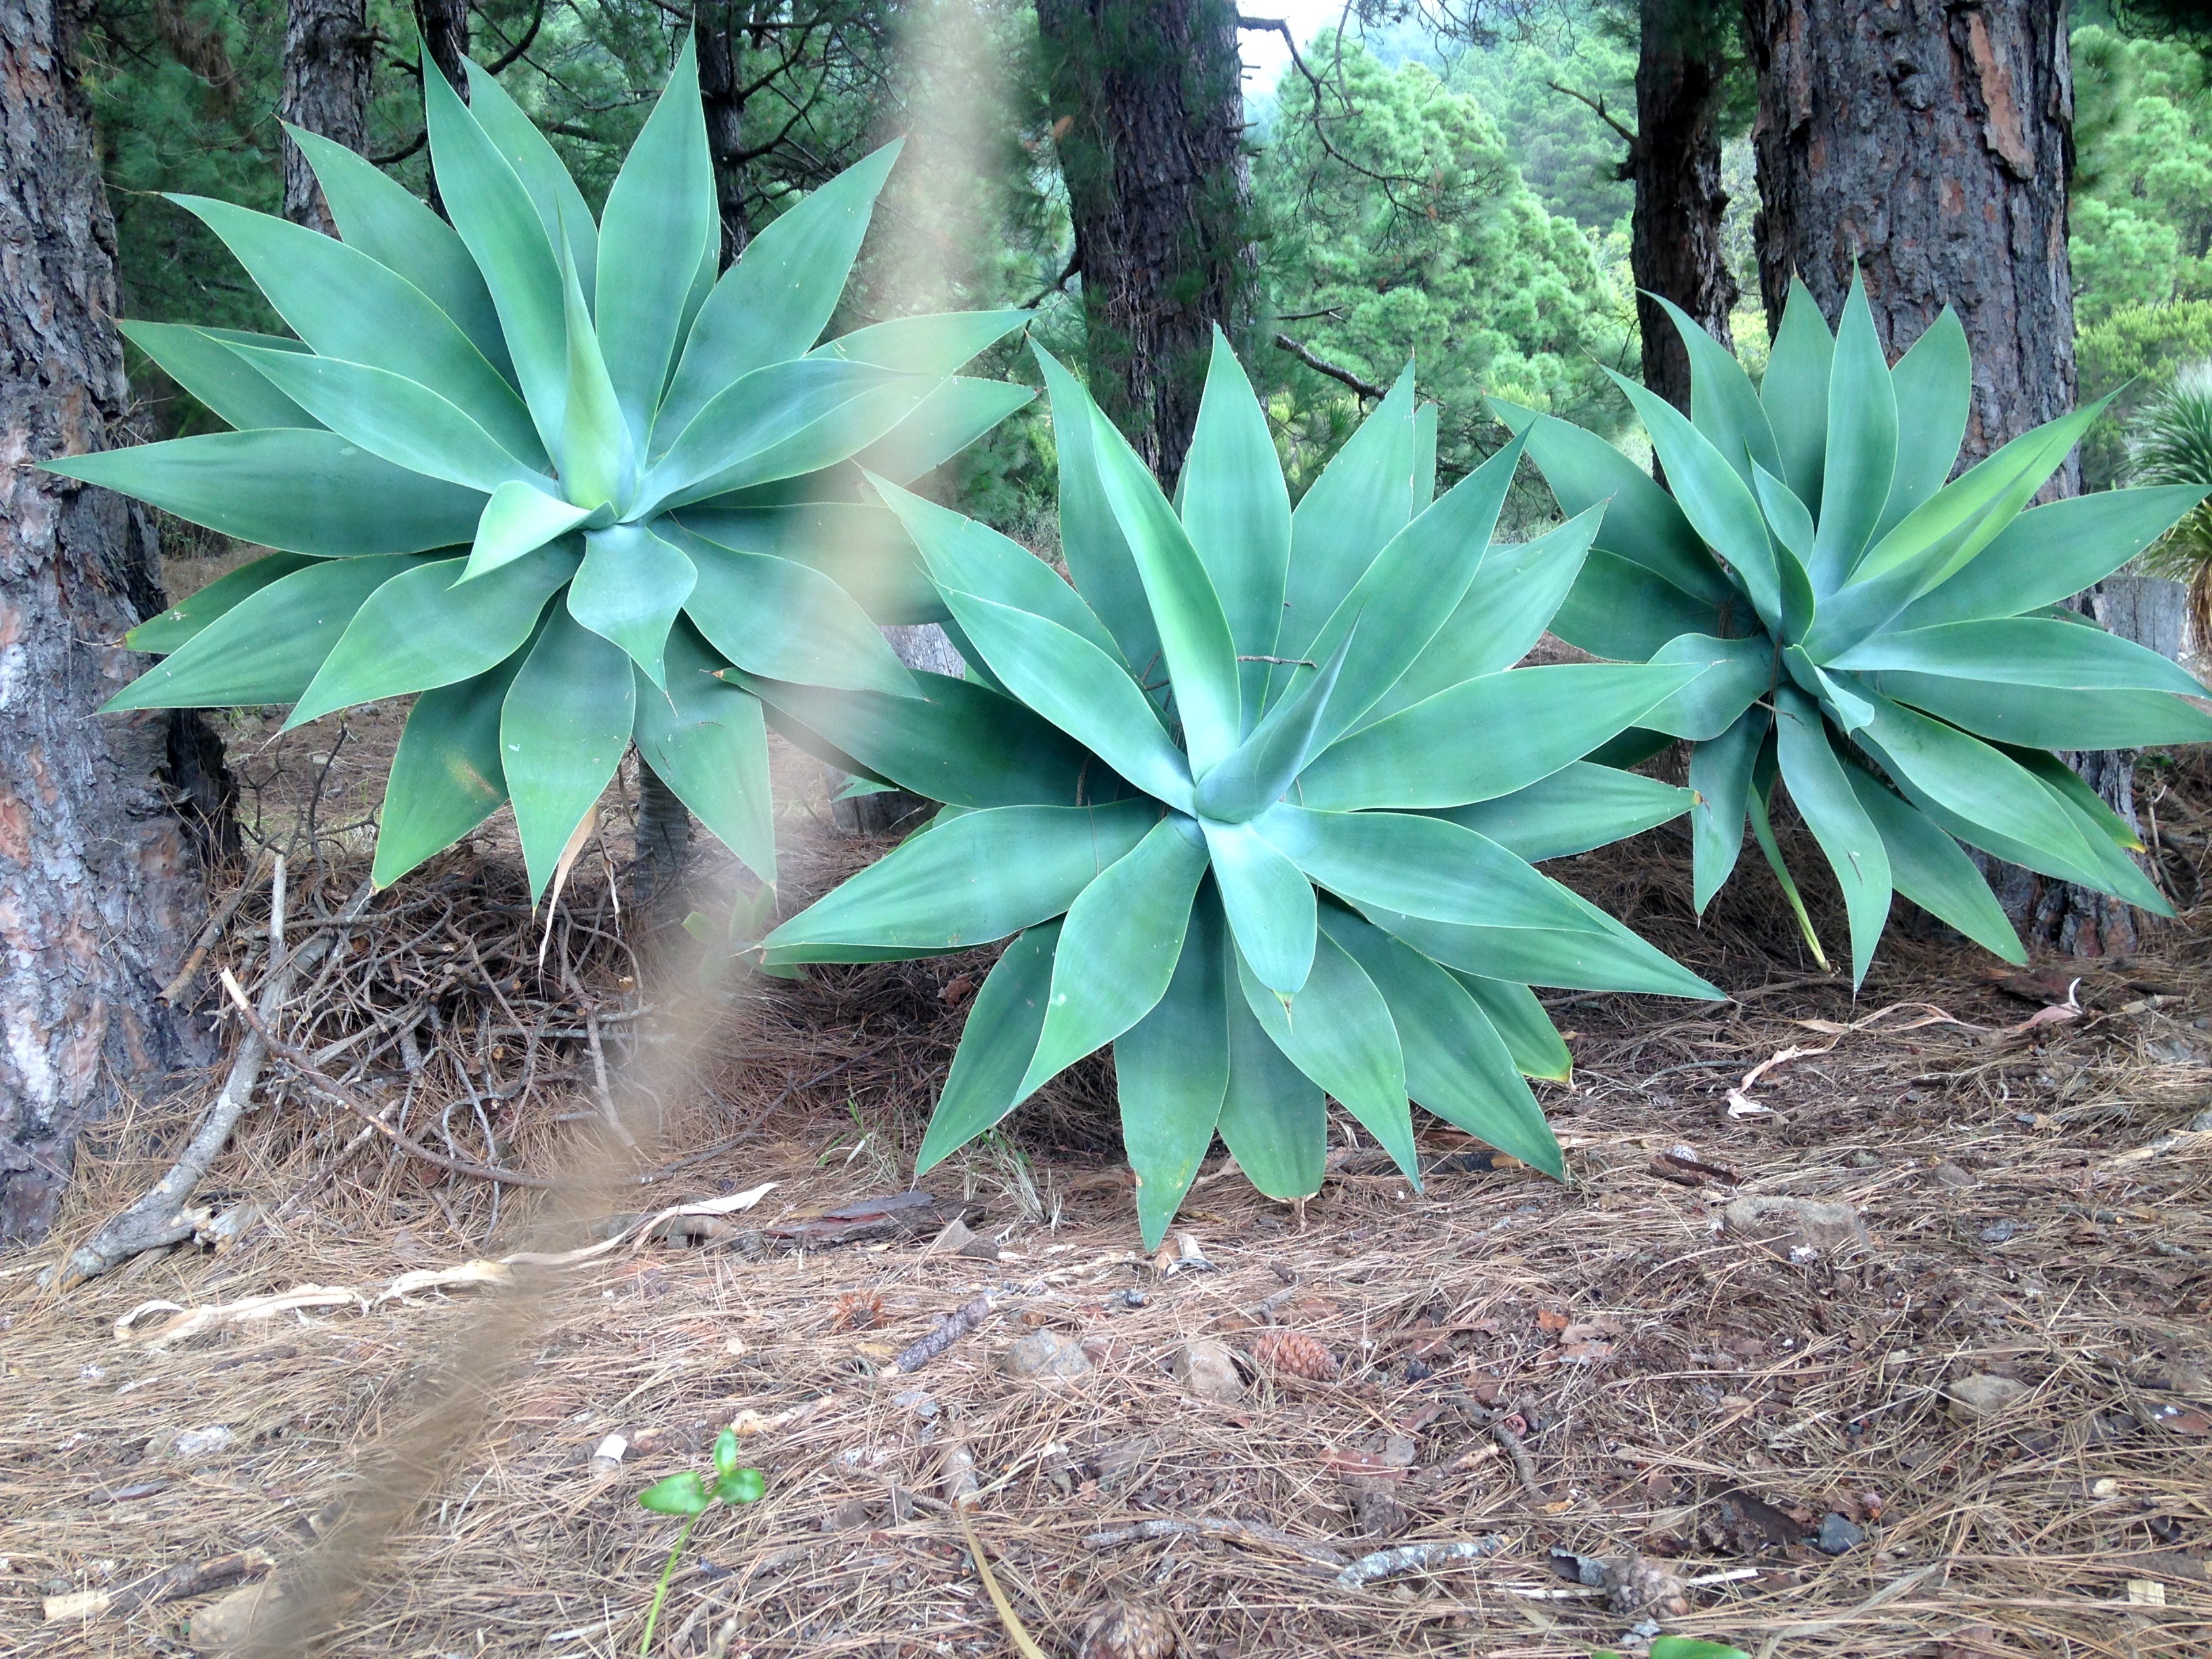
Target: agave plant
[
  {"x": 1898, "y": 649},
  {"x": 550, "y": 475},
  {"x": 1254, "y": 798},
  {"x": 2171, "y": 443}
]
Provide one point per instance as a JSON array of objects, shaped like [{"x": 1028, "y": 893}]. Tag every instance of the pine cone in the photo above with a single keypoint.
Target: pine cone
[
  {"x": 1296, "y": 1353},
  {"x": 1128, "y": 1629}
]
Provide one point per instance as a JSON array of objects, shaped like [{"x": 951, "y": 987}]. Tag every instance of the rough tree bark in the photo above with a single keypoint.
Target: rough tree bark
[
  {"x": 1674, "y": 234},
  {"x": 718, "y": 28},
  {"x": 1928, "y": 143},
  {"x": 1150, "y": 114},
  {"x": 99, "y": 887},
  {"x": 327, "y": 55},
  {"x": 444, "y": 27}
]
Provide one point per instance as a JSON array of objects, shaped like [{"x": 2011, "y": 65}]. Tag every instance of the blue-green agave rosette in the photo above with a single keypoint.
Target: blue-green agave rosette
[
  {"x": 1900, "y": 655},
  {"x": 552, "y": 476},
  {"x": 1254, "y": 799}
]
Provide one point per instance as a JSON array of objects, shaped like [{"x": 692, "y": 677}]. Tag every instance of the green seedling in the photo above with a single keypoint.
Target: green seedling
[
  {"x": 1682, "y": 1647},
  {"x": 691, "y": 1495}
]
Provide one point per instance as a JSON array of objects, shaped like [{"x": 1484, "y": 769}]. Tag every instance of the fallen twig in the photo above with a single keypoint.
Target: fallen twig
[
  {"x": 1517, "y": 1448},
  {"x": 1161, "y": 1527},
  {"x": 171, "y": 1585},
  {"x": 1415, "y": 1558},
  {"x": 154, "y": 1220},
  {"x": 948, "y": 1331},
  {"x": 304, "y": 1063},
  {"x": 176, "y": 987}
]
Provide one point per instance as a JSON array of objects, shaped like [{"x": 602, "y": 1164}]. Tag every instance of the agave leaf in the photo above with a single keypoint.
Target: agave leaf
[
  {"x": 1532, "y": 720},
  {"x": 1794, "y": 560},
  {"x": 1733, "y": 674},
  {"x": 632, "y": 587},
  {"x": 563, "y": 729},
  {"x": 1927, "y": 868},
  {"x": 1274, "y": 1119},
  {"x": 784, "y": 621},
  {"x": 1194, "y": 640},
  {"x": 962, "y": 554},
  {"x": 1621, "y": 610},
  {"x": 2051, "y": 553},
  {"x": 295, "y": 491},
  {"x": 266, "y": 648},
  {"x": 2075, "y": 789},
  {"x": 497, "y": 220},
  {"x": 1863, "y": 431},
  {"x": 446, "y": 776},
  {"x": 1518, "y": 1018},
  {"x": 1402, "y": 599},
  {"x": 1091, "y": 539},
  {"x": 957, "y": 742},
  {"x": 599, "y": 465},
  {"x": 561, "y": 207},
  {"x": 1456, "y": 1064},
  {"x": 1762, "y": 826},
  {"x": 1823, "y": 796},
  {"x": 519, "y": 518},
  {"x": 1574, "y": 809},
  {"x": 971, "y": 879},
  {"x": 1269, "y": 903},
  {"x": 346, "y": 305},
  {"x": 1172, "y": 1073},
  {"x": 779, "y": 421},
  {"x": 2024, "y": 651},
  {"x": 1642, "y": 525},
  {"x": 1965, "y": 777},
  {"x": 1079, "y": 688},
  {"x": 1720, "y": 779},
  {"x": 859, "y": 545},
  {"x": 1124, "y": 935},
  {"x": 1342, "y": 1037},
  {"x": 1588, "y": 952},
  {"x": 422, "y": 629},
  {"x": 1517, "y": 590},
  {"x": 200, "y": 360},
  {"x": 1935, "y": 385},
  {"x": 1236, "y": 511},
  {"x": 1723, "y": 403},
  {"x": 378, "y": 214},
  {"x": 952, "y": 415},
  {"x": 1001, "y": 1036},
  {"x": 934, "y": 345},
  {"x": 1847, "y": 701},
  {"x": 185, "y": 618},
  {"x": 660, "y": 220},
  {"x": 780, "y": 297},
  {"x": 391, "y": 415},
  {"x": 1362, "y": 498},
  {"x": 1269, "y": 762},
  {"x": 1714, "y": 500},
  {"x": 1795, "y": 393},
  {"x": 706, "y": 741},
  {"x": 2044, "y": 718}
]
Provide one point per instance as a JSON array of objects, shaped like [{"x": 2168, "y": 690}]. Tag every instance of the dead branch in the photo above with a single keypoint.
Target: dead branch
[
  {"x": 948, "y": 1331},
  {"x": 1416, "y": 1558},
  {"x": 1337, "y": 372}
]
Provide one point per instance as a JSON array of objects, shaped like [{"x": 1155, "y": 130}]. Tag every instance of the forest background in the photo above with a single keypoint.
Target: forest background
[{"x": 1422, "y": 184}]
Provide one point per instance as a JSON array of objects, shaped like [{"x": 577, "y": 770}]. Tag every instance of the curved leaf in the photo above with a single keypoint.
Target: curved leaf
[
  {"x": 2051, "y": 553},
  {"x": 200, "y": 360},
  {"x": 1574, "y": 809},
  {"x": 561, "y": 207},
  {"x": 779, "y": 421},
  {"x": 1172, "y": 1073},
  {"x": 862, "y": 547},
  {"x": 446, "y": 776},
  {"x": 1001, "y": 1036},
  {"x": 951, "y": 415},
  {"x": 2024, "y": 651},
  {"x": 630, "y": 589},
  {"x": 188, "y": 615},
  {"x": 1237, "y": 510},
  {"x": 1720, "y": 782},
  {"x": 935, "y": 345},
  {"x": 1269, "y": 903},
  {"x": 1092, "y": 539},
  {"x": 706, "y": 741},
  {"x": 1621, "y": 610},
  {"x": 1519, "y": 1019},
  {"x": 1274, "y": 1119},
  {"x": 1929, "y": 869},
  {"x": 1831, "y": 810},
  {"x": 1363, "y": 497},
  {"x": 562, "y": 730},
  {"x": 1795, "y": 393},
  {"x": 969, "y": 880},
  {"x": 1733, "y": 674},
  {"x": 295, "y": 491},
  {"x": 784, "y": 621},
  {"x": 1723, "y": 403},
  {"x": 519, "y": 518},
  {"x": 1934, "y": 386},
  {"x": 2039, "y": 717},
  {"x": 1863, "y": 432}
]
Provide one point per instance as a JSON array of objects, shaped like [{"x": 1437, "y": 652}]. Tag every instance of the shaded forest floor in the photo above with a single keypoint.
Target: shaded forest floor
[{"x": 1995, "y": 1403}]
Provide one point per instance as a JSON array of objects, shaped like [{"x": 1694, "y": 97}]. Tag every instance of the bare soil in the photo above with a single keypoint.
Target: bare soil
[{"x": 1606, "y": 1368}]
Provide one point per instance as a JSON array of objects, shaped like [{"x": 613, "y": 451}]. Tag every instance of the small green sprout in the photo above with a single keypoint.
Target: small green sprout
[
  {"x": 691, "y": 1495},
  {"x": 1683, "y": 1647}
]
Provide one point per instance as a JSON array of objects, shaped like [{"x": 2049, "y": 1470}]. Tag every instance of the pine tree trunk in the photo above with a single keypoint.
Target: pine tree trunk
[
  {"x": 1151, "y": 148},
  {"x": 444, "y": 26},
  {"x": 101, "y": 889},
  {"x": 664, "y": 849},
  {"x": 718, "y": 28},
  {"x": 1928, "y": 143},
  {"x": 1674, "y": 236},
  {"x": 328, "y": 50}
]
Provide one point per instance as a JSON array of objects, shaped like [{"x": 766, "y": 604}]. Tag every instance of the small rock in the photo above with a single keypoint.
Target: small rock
[
  {"x": 848, "y": 1516},
  {"x": 194, "y": 1444},
  {"x": 1787, "y": 1224},
  {"x": 1044, "y": 1353},
  {"x": 1998, "y": 1231},
  {"x": 1947, "y": 1174},
  {"x": 1206, "y": 1370},
  {"x": 230, "y": 1625},
  {"x": 1864, "y": 1160},
  {"x": 1837, "y": 1534},
  {"x": 1983, "y": 1396}
]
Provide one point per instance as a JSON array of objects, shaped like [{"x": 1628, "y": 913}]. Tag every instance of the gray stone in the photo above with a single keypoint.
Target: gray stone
[
  {"x": 1044, "y": 1353},
  {"x": 1837, "y": 1534},
  {"x": 1787, "y": 1224},
  {"x": 1206, "y": 1370},
  {"x": 1985, "y": 1397}
]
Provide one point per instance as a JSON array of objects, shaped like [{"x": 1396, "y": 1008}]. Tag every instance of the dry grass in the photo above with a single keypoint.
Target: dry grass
[{"x": 2012, "y": 1235}]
